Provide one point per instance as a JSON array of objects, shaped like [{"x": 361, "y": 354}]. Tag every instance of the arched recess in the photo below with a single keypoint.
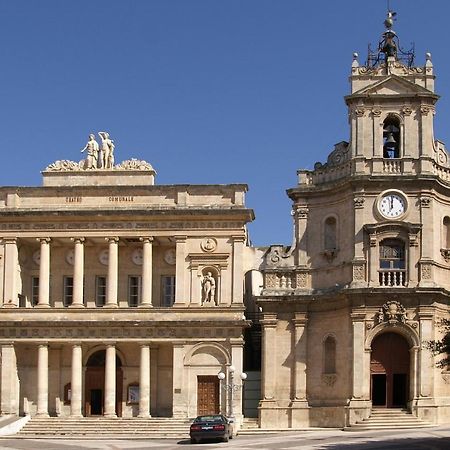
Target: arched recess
[
  {"x": 393, "y": 145},
  {"x": 330, "y": 234},
  {"x": 393, "y": 375},
  {"x": 94, "y": 386},
  {"x": 210, "y": 286},
  {"x": 446, "y": 232},
  {"x": 215, "y": 353}
]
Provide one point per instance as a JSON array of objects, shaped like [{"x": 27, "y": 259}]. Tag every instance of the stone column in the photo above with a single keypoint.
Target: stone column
[
  {"x": 426, "y": 359},
  {"x": 113, "y": 270},
  {"x": 110, "y": 381},
  {"x": 268, "y": 413},
  {"x": 301, "y": 219},
  {"x": 144, "y": 382},
  {"x": 11, "y": 276},
  {"x": 9, "y": 386},
  {"x": 413, "y": 372},
  {"x": 359, "y": 406},
  {"x": 76, "y": 381},
  {"x": 42, "y": 381},
  {"x": 179, "y": 396},
  {"x": 44, "y": 274},
  {"x": 360, "y": 138},
  {"x": 78, "y": 273},
  {"x": 238, "y": 270},
  {"x": 237, "y": 359},
  {"x": 180, "y": 271},
  {"x": 427, "y": 242},
  {"x": 147, "y": 268}
]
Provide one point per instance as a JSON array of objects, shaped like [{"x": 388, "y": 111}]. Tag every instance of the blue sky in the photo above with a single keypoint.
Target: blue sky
[{"x": 207, "y": 91}]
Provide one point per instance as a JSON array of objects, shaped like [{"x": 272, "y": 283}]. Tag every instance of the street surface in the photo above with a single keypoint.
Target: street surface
[{"x": 437, "y": 438}]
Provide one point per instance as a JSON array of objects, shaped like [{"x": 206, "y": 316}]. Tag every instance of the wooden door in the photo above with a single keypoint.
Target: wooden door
[
  {"x": 207, "y": 395},
  {"x": 95, "y": 391}
]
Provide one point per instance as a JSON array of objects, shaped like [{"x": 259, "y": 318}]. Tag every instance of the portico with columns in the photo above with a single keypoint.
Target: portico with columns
[{"x": 102, "y": 305}]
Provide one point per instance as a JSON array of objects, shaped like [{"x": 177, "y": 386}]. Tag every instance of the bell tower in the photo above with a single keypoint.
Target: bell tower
[{"x": 391, "y": 108}]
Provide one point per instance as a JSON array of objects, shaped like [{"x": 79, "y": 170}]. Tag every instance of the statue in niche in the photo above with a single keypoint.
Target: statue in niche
[
  {"x": 107, "y": 150},
  {"x": 92, "y": 153},
  {"x": 209, "y": 289}
]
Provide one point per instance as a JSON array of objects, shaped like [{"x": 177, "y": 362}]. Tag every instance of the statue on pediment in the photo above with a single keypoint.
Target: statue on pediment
[
  {"x": 92, "y": 150},
  {"x": 107, "y": 150}
]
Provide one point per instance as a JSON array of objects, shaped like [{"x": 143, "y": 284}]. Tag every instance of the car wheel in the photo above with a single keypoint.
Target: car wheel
[
  {"x": 225, "y": 439},
  {"x": 193, "y": 441}
]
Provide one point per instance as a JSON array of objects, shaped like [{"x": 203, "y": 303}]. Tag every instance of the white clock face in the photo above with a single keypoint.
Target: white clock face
[{"x": 392, "y": 206}]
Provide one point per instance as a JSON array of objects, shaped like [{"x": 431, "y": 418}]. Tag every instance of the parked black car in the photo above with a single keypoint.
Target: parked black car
[{"x": 215, "y": 426}]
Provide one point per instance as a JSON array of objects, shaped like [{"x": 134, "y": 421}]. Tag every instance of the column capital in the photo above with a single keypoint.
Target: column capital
[
  {"x": 239, "y": 238},
  {"x": 109, "y": 344},
  {"x": 180, "y": 239},
  {"x": 146, "y": 239},
  {"x": 42, "y": 344},
  {"x": 9, "y": 240},
  {"x": 112, "y": 239},
  {"x": 78, "y": 240},
  {"x": 44, "y": 240}
]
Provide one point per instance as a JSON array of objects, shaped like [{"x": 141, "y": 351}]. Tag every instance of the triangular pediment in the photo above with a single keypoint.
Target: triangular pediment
[{"x": 393, "y": 85}]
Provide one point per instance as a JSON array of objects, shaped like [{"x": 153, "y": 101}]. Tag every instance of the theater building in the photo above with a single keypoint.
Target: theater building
[
  {"x": 119, "y": 297},
  {"x": 348, "y": 309}
]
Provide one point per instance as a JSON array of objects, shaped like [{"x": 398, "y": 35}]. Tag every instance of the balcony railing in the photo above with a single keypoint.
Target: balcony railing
[{"x": 392, "y": 278}]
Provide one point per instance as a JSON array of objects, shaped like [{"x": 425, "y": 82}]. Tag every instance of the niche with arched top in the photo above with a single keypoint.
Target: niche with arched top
[{"x": 329, "y": 356}]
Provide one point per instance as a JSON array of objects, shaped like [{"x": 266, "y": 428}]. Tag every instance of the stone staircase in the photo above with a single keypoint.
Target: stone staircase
[
  {"x": 101, "y": 427},
  {"x": 384, "y": 418}
]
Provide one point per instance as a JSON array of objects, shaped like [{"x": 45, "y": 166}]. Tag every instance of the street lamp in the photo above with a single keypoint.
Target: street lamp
[{"x": 230, "y": 388}]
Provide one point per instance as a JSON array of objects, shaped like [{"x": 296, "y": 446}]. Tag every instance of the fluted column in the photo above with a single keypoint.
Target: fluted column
[
  {"x": 113, "y": 270},
  {"x": 76, "y": 381},
  {"x": 44, "y": 274},
  {"x": 110, "y": 381},
  {"x": 147, "y": 268},
  {"x": 144, "y": 382},
  {"x": 78, "y": 273},
  {"x": 42, "y": 381}
]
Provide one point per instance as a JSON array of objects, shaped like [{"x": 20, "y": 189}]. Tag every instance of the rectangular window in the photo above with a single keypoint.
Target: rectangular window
[
  {"x": 134, "y": 291},
  {"x": 100, "y": 291},
  {"x": 68, "y": 291},
  {"x": 34, "y": 291},
  {"x": 168, "y": 290}
]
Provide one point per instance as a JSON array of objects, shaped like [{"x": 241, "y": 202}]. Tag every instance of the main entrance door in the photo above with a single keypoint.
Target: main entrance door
[
  {"x": 207, "y": 395},
  {"x": 389, "y": 369},
  {"x": 95, "y": 385}
]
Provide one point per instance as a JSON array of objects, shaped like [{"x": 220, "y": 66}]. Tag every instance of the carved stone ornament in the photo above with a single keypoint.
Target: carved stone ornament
[
  {"x": 359, "y": 202},
  {"x": 37, "y": 257},
  {"x": 407, "y": 111},
  {"x": 358, "y": 272},
  {"x": 425, "y": 202},
  {"x": 392, "y": 312},
  {"x": 445, "y": 252},
  {"x": 359, "y": 112},
  {"x": 137, "y": 256},
  {"x": 208, "y": 245},
  {"x": 425, "y": 110},
  {"x": 376, "y": 112},
  {"x": 103, "y": 257},
  {"x": 64, "y": 165},
  {"x": 270, "y": 280},
  {"x": 170, "y": 256},
  {"x": 301, "y": 280},
  {"x": 426, "y": 271},
  {"x": 70, "y": 257},
  {"x": 329, "y": 378},
  {"x": 134, "y": 164},
  {"x": 302, "y": 213},
  {"x": 330, "y": 253}
]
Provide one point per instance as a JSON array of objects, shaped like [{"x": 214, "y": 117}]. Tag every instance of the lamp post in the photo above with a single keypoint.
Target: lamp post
[{"x": 230, "y": 388}]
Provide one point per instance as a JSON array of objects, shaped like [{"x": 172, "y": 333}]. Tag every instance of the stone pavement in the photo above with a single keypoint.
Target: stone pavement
[{"x": 437, "y": 438}]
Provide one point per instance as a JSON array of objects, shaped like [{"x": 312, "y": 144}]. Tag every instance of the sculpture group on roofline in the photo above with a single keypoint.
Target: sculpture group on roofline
[{"x": 99, "y": 158}]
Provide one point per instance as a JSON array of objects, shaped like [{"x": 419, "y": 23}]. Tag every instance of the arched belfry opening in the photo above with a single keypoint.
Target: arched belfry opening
[
  {"x": 389, "y": 371},
  {"x": 391, "y": 137}
]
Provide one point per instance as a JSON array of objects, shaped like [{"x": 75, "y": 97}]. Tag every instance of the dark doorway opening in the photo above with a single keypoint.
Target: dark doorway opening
[
  {"x": 389, "y": 368},
  {"x": 96, "y": 402},
  {"x": 379, "y": 389}
]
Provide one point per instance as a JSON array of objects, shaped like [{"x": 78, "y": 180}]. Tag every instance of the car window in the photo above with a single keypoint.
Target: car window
[{"x": 210, "y": 419}]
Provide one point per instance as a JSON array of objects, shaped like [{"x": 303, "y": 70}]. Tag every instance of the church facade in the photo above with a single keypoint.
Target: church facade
[{"x": 350, "y": 307}]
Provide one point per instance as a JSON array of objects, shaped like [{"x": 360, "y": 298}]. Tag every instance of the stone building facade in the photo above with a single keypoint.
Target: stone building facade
[
  {"x": 119, "y": 297},
  {"x": 348, "y": 309}
]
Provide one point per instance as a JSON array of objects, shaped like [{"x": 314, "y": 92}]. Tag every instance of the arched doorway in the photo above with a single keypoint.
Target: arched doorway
[
  {"x": 95, "y": 384},
  {"x": 389, "y": 370}
]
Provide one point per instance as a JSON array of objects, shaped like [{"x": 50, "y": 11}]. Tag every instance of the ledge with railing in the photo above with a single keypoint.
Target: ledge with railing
[{"x": 392, "y": 278}]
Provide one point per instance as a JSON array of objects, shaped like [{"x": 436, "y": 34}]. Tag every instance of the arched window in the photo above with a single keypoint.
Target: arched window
[
  {"x": 391, "y": 137},
  {"x": 446, "y": 232},
  {"x": 392, "y": 263},
  {"x": 329, "y": 355},
  {"x": 330, "y": 233}
]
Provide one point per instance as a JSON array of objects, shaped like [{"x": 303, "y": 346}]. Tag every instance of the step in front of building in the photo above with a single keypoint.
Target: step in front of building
[
  {"x": 106, "y": 428},
  {"x": 386, "y": 418}
]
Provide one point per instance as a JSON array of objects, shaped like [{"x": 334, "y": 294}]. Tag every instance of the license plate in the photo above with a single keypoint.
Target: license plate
[{"x": 207, "y": 428}]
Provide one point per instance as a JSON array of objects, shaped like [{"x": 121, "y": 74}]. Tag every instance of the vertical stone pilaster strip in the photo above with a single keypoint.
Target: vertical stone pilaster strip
[
  {"x": 147, "y": 268},
  {"x": 180, "y": 271},
  {"x": 113, "y": 271},
  {"x": 78, "y": 273}
]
